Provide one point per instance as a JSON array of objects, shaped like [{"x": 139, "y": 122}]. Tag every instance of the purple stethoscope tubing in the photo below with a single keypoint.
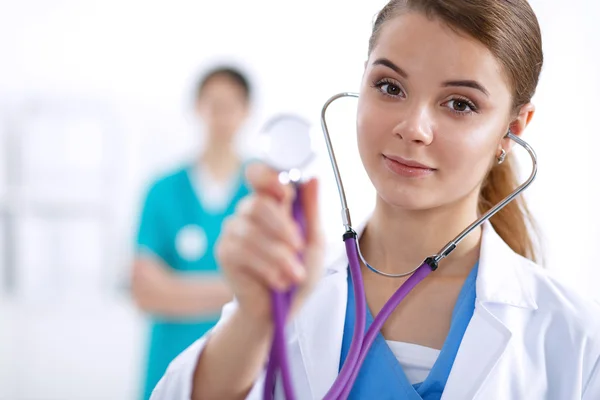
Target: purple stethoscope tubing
[
  {"x": 281, "y": 303},
  {"x": 361, "y": 342}
]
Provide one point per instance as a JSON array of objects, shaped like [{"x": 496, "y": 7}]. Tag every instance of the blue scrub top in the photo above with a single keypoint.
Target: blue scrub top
[
  {"x": 176, "y": 228},
  {"x": 381, "y": 375}
]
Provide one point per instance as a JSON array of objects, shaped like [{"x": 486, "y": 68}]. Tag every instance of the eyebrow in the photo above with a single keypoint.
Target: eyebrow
[
  {"x": 387, "y": 63},
  {"x": 467, "y": 83},
  {"x": 460, "y": 83}
]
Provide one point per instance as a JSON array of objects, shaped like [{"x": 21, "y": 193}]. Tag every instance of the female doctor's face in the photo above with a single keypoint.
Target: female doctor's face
[{"x": 434, "y": 106}]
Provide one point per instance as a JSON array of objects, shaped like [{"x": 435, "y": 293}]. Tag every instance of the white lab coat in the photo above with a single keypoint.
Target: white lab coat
[{"x": 530, "y": 337}]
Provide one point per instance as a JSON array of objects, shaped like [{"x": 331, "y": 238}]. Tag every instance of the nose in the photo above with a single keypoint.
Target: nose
[{"x": 415, "y": 126}]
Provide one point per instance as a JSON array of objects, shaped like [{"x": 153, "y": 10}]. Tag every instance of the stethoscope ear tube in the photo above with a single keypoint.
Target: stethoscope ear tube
[{"x": 336, "y": 171}]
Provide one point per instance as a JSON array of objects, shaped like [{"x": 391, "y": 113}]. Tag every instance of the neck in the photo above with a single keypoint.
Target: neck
[
  {"x": 220, "y": 160},
  {"x": 397, "y": 240}
]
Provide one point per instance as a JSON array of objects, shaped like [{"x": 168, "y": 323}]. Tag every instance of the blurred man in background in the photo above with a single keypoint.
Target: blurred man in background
[{"x": 175, "y": 277}]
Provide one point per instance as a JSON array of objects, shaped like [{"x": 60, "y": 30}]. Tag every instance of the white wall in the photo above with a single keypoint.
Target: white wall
[{"x": 136, "y": 61}]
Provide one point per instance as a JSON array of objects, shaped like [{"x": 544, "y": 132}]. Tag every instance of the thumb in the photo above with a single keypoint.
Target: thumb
[{"x": 309, "y": 196}]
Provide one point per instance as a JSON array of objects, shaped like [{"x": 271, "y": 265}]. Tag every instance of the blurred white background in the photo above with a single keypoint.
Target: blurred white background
[{"x": 95, "y": 101}]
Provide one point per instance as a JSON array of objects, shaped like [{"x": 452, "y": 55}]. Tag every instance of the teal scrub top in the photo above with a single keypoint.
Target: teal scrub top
[
  {"x": 176, "y": 228},
  {"x": 382, "y": 376}
]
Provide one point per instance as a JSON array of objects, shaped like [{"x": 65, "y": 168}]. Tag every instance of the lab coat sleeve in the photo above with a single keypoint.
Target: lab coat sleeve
[
  {"x": 176, "y": 383},
  {"x": 592, "y": 389}
]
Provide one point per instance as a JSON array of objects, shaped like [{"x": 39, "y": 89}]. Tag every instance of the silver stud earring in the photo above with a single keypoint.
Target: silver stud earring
[{"x": 500, "y": 159}]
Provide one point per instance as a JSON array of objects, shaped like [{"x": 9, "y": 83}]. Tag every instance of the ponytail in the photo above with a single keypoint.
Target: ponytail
[{"x": 514, "y": 222}]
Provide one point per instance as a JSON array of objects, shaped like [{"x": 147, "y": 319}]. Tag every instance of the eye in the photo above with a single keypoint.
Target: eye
[
  {"x": 461, "y": 106},
  {"x": 388, "y": 88}
]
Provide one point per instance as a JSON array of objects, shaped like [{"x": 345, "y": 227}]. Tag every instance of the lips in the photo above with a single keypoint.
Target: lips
[
  {"x": 408, "y": 163},
  {"x": 407, "y": 168}
]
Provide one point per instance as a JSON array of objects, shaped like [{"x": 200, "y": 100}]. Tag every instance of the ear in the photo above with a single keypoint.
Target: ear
[{"x": 519, "y": 124}]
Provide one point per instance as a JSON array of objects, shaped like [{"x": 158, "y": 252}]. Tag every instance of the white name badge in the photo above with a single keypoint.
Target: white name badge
[{"x": 191, "y": 243}]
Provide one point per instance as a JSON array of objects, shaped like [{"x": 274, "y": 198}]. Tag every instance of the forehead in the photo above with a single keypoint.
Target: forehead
[
  {"x": 429, "y": 48},
  {"x": 220, "y": 86}
]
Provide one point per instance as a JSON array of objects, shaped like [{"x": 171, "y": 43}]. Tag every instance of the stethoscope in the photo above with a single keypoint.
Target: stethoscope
[{"x": 287, "y": 146}]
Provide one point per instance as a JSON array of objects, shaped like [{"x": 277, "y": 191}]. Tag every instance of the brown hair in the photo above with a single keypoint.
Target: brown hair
[{"x": 510, "y": 30}]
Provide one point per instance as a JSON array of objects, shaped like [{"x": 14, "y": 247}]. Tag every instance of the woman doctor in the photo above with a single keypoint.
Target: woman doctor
[{"x": 444, "y": 82}]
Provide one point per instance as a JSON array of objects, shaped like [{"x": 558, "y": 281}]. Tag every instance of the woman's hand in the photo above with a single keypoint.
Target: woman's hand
[{"x": 260, "y": 245}]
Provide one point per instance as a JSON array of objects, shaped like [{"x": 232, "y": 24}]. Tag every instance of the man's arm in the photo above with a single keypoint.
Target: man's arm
[{"x": 159, "y": 291}]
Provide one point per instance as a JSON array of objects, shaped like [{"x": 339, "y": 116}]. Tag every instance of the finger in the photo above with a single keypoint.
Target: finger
[
  {"x": 310, "y": 203},
  {"x": 244, "y": 260},
  {"x": 270, "y": 216},
  {"x": 251, "y": 246},
  {"x": 265, "y": 180},
  {"x": 273, "y": 252},
  {"x": 277, "y": 255}
]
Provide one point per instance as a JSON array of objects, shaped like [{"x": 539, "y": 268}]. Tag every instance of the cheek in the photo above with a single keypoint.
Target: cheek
[
  {"x": 372, "y": 128},
  {"x": 466, "y": 158}
]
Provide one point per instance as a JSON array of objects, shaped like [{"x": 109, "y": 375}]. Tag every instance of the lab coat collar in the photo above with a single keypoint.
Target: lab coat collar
[{"x": 500, "y": 277}]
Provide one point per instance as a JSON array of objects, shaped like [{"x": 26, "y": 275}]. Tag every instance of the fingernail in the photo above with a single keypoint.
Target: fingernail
[{"x": 298, "y": 270}]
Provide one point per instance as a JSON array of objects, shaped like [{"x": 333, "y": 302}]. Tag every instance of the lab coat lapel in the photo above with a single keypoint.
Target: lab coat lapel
[
  {"x": 482, "y": 346},
  {"x": 320, "y": 333},
  {"x": 499, "y": 286}
]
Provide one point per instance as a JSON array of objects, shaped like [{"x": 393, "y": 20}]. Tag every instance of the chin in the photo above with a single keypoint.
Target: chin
[
  {"x": 405, "y": 197},
  {"x": 404, "y": 193}
]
